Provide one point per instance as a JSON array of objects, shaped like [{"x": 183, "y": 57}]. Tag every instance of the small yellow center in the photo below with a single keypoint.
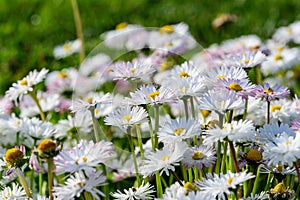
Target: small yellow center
[
  {"x": 255, "y": 47},
  {"x": 165, "y": 66},
  {"x": 62, "y": 74},
  {"x": 268, "y": 90},
  {"x": 110, "y": 70},
  {"x": 234, "y": 86},
  {"x": 96, "y": 111},
  {"x": 275, "y": 107},
  {"x": 205, "y": 113},
  {"x": 89, "y": 100},
  {"x": 178, "y": 131},
  {"x": 184, "y": 90},
  {"x": 221, "y": 77},
  {"x": 190, "y": 186},
  {"x": 67, "y": 47},
  {"x": 279, "y": 168},
  {"x": 254, "y": 155},
  {"x": 166, "y": 29},
  {"x": 13, "y": 155},
  {"x": 280, "y": 48},
  {"x": 230, "y": 179},
  {"x": 169, "y": 44},
  {"x": 246, "y": 61},
  {"x": 24, "y": 82},
  {"x": 164, "y": 158},
  {"x": 121, "y": 26},
  {"x": 279, "y": 188},
  {"x": 47, "y": 145},
  {"x": 278, "y": 57},
  {"x": 183, "y": 74},
  {"x": 198, "y": 155},
  {"x": 153, "y": 95},
  {"x": 127, "y": 117},
  {"x": 84, "y": 158},
  {"x": 132, "y": 69},
  {"x": 287, "y": 143}
]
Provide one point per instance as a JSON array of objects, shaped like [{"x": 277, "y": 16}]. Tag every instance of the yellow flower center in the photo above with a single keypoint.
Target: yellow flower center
[
  {"x": 67, "y": 47},
  {"x": 110, "y": 70},
  {"x": 153, "y": 95},
  {"x": 132, "y": 69},
  {"x": 279, "y": 168},
  {"x": 190, "y": 186},
  {"x": 96, "y": 111},
  {"x": 198, "y": 155},
  {"x": 280, "y": 48},
  {"x": 246, "y": 61},
  {"x": 165, "y": 66},
  {"x": 275, "y": 107},
  {"x": 221, "y": 77},
  {"x": 254, "y": 155},
  {"x": 164, "y": 158},
  {"x": 24, "y": 82},
  {"x": 169, "y": 44},
  {"x": 184, "y": 90},
  {"x": 205, "y": 113},
  {"x": 183, "y": 74},
  {"x": 166, "y": 29},
  {"x": 268, "y": 90},
  {"x": 84, "y": 159},
  {"x": 234, "y": 86},
  {"x": 127, "y": 117},
  {"x": 178, "y": 131},
  {"x": 230, "y": 179},
  {"x": 62, "y": 74},
  {"x": 255, "y": 47},
  {"x": 279, "y": 188},
  {"x": 121, "y": 26},
  {"x": 13, "y": 155},
  {"x": 287, "y": 143},
  {"x": 89, "y": 100},
  {"x": 278, "y": 57},
  {"x": 47, "y": 145}
]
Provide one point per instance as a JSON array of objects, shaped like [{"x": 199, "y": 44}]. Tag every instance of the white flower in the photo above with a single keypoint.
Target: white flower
[
  {"x": 67, "y": 49},
  {"x": 79, "y": 183},
  {"x": 126, "y": 117},
  {"x": 142, "y": 192},
  {"x": 15, "y": 193},
  {"x": 260, "y": 196},
  {"x": 84, "y": 156},
  {"x": 25, "y": 85},
  {"x": 163, "y": 160},
  {"x": 199, "y": 157}
]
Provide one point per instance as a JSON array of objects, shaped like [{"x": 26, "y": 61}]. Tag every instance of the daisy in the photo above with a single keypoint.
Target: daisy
[
  {"x": 220, "y": 101},
  {"x": 15, "y": 192},
  {"x": 284, "y": 149},
  {"x": 260, "y": 196},
  {"x": 142, "y": 192},
  {"x": 187, "y": 69},
  {"x": 78, "y": 183},
  {"x": 126, "y": 117},
  {"x": 283, "y": 111},
  {"x": 179, "y": 129},
  {"x": 198, "y": 157},
  {"x": 152, "y": 95},
  {"x": 163, "y": 160},
  {"x": 270, "y": 93},
  {"x": 67, "y": 49},
  {"x": 26, "y": 85},
  {"x": 220, "y": 185},
  {"x": 85, "y": 156}
]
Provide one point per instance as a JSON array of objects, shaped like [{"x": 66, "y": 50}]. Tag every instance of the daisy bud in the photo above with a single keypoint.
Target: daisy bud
[
  {"x": 14, "y": 157},
  {"x": 47, "y": 148},
  {"x": 254, "y": 155},
  {"x": 281, "y": 192}
]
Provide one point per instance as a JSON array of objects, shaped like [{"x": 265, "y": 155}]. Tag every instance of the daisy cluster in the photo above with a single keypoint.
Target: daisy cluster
[{"x": 221, "y": 123}]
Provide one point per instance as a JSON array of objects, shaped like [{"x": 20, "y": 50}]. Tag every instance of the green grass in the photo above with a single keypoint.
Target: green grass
[{"x": 26, "y": 44}]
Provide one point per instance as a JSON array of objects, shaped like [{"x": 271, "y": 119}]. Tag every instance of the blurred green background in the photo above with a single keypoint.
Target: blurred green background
[{"x": 30, "y": 29}]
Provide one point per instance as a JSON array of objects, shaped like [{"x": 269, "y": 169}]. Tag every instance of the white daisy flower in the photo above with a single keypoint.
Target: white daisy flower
[
  {"x": 151, "y": 95},
  {"x": 85, "y": 156},
  {"x": 284, "y": 149},
  {"x": 26, "y": 85},
  {"x": 9, "y": 127},
  {"x": 15, "y": 192},
  {"x": 78, "y": 183},
  {"x": 179, "y": 129},
  {"x": 199, "y": 157},
  {"x": 220, "y": 185},
  {"x": 283, "y": 110},
  {"x": 220, "y": 101},
  {"x": 163, "y": 160},
  {"x": 236, "y": 131},
  {"x": 245, "y": 42},
  {"x": 67, "y": 49},
  {"x": 126, "y": 117},
  {"x": 260, "y": 196},
  {"x": 142, "y": 192},
  {"x": 187, "y": 69}
]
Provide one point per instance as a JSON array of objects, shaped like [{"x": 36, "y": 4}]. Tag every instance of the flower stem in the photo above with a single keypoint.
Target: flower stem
[
  {"x": 24, "y": 182},
  {"x": 139, "y": 137},
  {"x": 159, "y": 189},
  {"x": 50, "y": 177},
  {"x": 224, "y": 159},
  {"x": 246, "y": 109},
  {"x": 218, "y": 163},
  {"x": 297, "y": 170},
  {"x": 233, "y": 153},
  {"x": 156, "y": 125},
  {"x": 36, "y": 101},
  {"x": 256, "y": 181},
  {"x": 186, "y": 108},
  {"x": 97, "y": 130},
  {"x": 106, "y": 186},
  {"x": 177, "y": 178},
  {"x": 78, "y": 26},
  {"x": 133, "y": 155},
  {"x": 193, "y": 107},
  {"x": 268, "y": 112}
]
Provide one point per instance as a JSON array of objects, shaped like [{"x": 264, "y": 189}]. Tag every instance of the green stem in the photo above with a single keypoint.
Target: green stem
[
  {"x": 190, "y": 171},
  {"x": 297, "y": 170},
  {"x": 36, "y": 101},
  {"x": 256, "y": 181},
  {"x": 24, "y": 182},
  {"x": 184, "y": 173},
  {"x": 186, "y": 108},
  {"x": 139, "y": 137},
  {"x": 133, "y": 155},
  {"x": 258, "y": 75},
  {"x": 87, "y": 196},
  {"x": 97, "y": 130},
  {"x": 193, "y": 107},
  {"x": 224, "y": 159},
  {"x": 246, "y": 109},
  {"x": 78, "y": 26},
  {"x": 177, "y": 178},
  {"x": 268, "y": 112},
  {"x": 268, "y": 182},
  {"x": 233, "y": 154},
  {"x": 152, "y": 137},
  {"x": 156, "y": 107},
  {"x": 218, "y": 163},
  {"x": 106, "y": 186},
  {"x": 50, "y": 177},
  {"x": 159, "y": 189},
  {"x": 40, "y": 181}
]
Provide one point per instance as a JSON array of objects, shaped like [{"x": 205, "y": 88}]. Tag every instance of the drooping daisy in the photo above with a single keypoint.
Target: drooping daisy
[
  {"x": 152, "y": 95},
  {"x": 67, "y": 49},
  {"x": 179, "y": 129},
  {"x": 126, "y": 117},
  {"x": 26, "y": 85},
  {"x": 198, "y": 157},
  {"x": 270, "y": 93},
  {"x": 163, "y": 160},
  {"x": 84, "y": 156},
  {"x": 78, "y": 183},
  {"x": 15, "y": 192},
  {"x": 142, "y": 192},
  {"x": 220, "y": 185}
]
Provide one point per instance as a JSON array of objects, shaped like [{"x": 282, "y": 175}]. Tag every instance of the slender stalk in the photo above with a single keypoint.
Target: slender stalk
[
  {"x": 156, "y": 107},
  {"x": 106, "y": 186},
  {"x": 193, "y": 107},
  {"x": 97, "y": 130},
  {"x": 87, "y": 196},
  {"x": 152, "y": 137},
  {"x": 224, "y": 159},
  {"x": 268, "y": 112},
  {"x": 78, "y": 26},
  {"x": 186, "y": 108},
  {"x": 139, "y": 137},
  {"x": 184, "y": 173},
  {"x": 268, "y": 182},
  {"x": 298, "y": 172},
  {"x": 36, "y": 101},
  {"x": 133, "y": 155},
  {"x": 256, "y": 181},
  {"x": 177, "y": 178},
  {"x": 190, "y": 171},
  {"x": 24, "y": 182},
  {"x": 233, "y": 153},
  {"x": 218, "y": 163},
  {"x": 246, "y": 109},
  {"x": 50, "y": 177},
  {"x": 159, "y": 189},
  {"x": 258, "y": 75}
]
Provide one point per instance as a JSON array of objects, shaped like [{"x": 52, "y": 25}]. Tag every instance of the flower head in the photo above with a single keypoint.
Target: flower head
[
  {"x": 199, "y": 157},
  {"x": 270, "y": 93}
]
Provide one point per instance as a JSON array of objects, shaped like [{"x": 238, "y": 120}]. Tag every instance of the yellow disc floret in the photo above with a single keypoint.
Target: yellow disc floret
[
  {"x": 230, "y": 179},
  {"x": 47, "y": 145},
  {"x": 13, "y": 155},
  {"x": 254, "y": 155},
  {"x": 198, "y": 155},
  {"x": 275, "y": 107},
  {"x": 178, "y": 131},
  {"x": 166, "y": 29},
  {"x": 127, "y": 117},
  {"x": 164, "y": 158},
  {"x": 24, "y": 82},
  {"x": 153, "y": 95},
  {"x": 190, "y": 186},
  {"x": 121, "y": 26},
  {"x": 183, "y": 74},
  {"x": 235, "y": 86}
]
